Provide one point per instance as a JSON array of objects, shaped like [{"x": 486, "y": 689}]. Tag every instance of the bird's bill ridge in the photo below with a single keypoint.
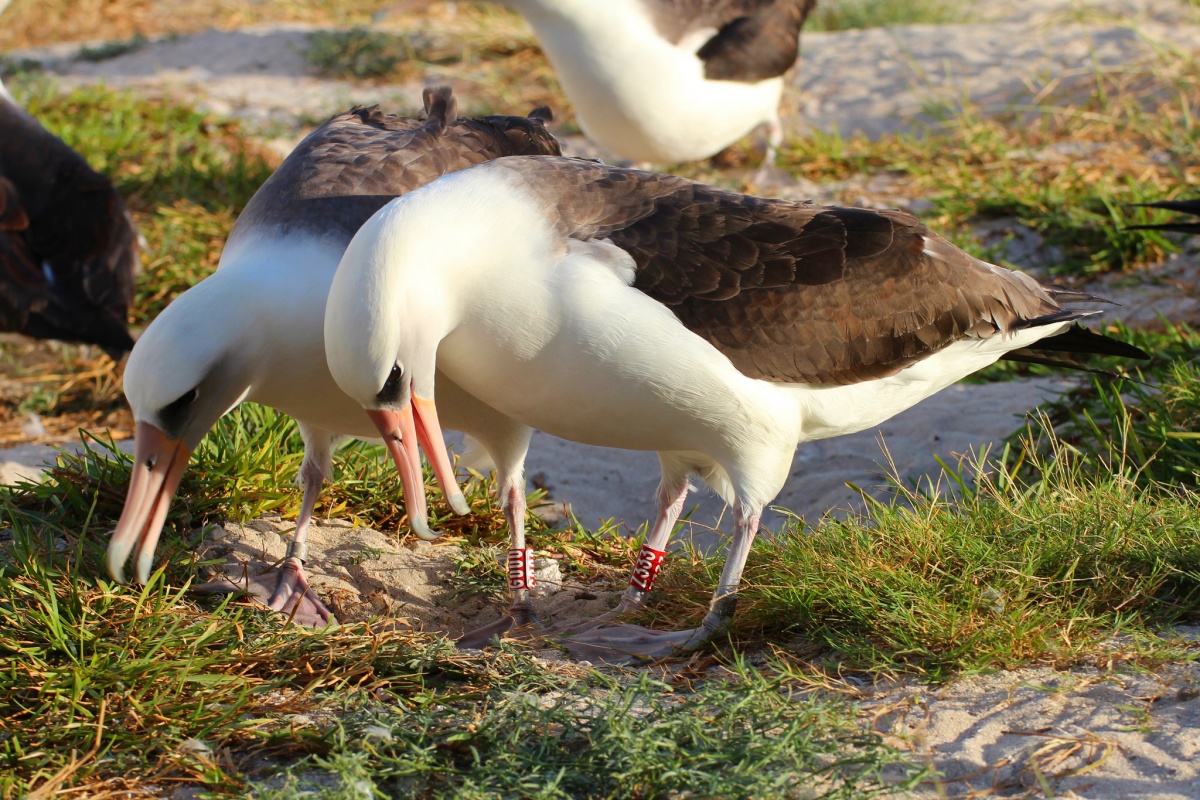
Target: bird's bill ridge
[
  {"x": 158, "y": 466},
  {"x": 401, "y": 430},
  {"x": 429, "y": 432}
]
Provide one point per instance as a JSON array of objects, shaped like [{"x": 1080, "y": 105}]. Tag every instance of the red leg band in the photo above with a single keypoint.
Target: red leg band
[
  {"x": 645, "y": 569},
  {"x": 520, "y": 568}
]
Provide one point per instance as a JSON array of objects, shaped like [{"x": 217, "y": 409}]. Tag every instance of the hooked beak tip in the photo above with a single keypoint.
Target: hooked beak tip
[
  {"x": 421, "y": 528},
  {"x": 116, "y": 570},
  {"x": 459, "y": 504}
]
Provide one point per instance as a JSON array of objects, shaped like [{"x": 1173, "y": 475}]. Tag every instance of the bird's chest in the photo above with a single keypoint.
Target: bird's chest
[{"x": 586, "y": 359}]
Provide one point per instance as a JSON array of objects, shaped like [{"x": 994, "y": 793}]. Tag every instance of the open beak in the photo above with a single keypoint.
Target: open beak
[
  {"x": 158, "y": 466},
  {"x": 401, "y": 430}
]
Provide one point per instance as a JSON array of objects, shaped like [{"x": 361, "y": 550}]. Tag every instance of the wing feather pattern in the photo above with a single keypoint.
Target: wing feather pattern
[
  {"x": 754, "y": 40},
  {"x": 791, "y": 291},
  {"x": 353, "y": 164}
]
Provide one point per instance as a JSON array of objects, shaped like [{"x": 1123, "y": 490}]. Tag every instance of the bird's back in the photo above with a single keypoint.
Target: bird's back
[{"x": 351, "y": 166}]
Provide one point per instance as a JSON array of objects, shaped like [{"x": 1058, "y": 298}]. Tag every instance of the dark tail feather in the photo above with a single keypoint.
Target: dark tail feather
[
  {"x": 1076, "y": 340},
  {"x": 1184, "y": 206},
  {"x": 543, "y": 113},
  {"x": 440, "y": 105}
]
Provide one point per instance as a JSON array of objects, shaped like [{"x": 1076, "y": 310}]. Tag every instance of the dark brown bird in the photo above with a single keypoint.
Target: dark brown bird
[{"x": 68, "y": 248}]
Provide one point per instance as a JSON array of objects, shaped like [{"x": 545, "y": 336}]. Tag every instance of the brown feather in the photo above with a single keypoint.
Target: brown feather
[
  {"x": 357, "y": 161},
  {"x": 755, "y": 39},
  {"x": 789, "y": 291}
]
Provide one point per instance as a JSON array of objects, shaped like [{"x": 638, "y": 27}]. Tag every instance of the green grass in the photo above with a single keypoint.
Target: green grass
[
  {"x": 358, "y": 52},
  {"x": 112, "y": 688},
  {"x": 740, "y": 735},
  {"x": 487, "y": 52},
  {"x": 847, "y": 14},
  {"x": 1144, "y": 430},
  {"x": 107, "y": 50}
]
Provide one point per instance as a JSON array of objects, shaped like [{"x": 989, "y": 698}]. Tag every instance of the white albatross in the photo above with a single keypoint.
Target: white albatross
[
  {"x": 629, "y": 309},
  {"x": 252, "y": 330},
  {"x": 665, "y": 81}
]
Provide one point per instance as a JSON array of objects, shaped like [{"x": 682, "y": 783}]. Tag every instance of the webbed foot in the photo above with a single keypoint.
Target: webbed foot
[
  {"x": 519, "y": 619},
  {"x": 633, "y": 644},
  {"x": 284, "y": 589}
]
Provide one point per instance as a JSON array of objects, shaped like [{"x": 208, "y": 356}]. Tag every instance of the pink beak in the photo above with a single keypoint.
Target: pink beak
[
  {"x": 158, "y": 466},
  {"x": 401, "y": 431}
]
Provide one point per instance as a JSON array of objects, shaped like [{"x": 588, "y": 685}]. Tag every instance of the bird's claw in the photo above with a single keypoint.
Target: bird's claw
[
  {"x": 518, "y": 620},
  {"x": 285, "y": 590},
  {"x": 633, "y": 644}
]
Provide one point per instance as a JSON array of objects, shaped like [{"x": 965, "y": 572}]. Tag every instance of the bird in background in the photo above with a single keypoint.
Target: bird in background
[
  {"x": 667, "y": 81},
  {"x": 253, "y": 329},
  {"x": 68, "y": 247},
  {"x": 628, "y": 309}
]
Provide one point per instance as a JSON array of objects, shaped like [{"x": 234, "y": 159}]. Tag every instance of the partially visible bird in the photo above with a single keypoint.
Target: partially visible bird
[
  {"x": 1191, "y": 207},
  {"x": 253, "y": 330},
  {"x": 648, "y": 312},
  {"x": 68, "y": 248},
  {"x": 666, "y": 81}
]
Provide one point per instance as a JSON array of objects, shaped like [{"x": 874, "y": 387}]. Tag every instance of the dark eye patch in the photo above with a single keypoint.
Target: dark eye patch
[
  {"x": 174, "y": 414},
  {"x": 390, "y": 392}
]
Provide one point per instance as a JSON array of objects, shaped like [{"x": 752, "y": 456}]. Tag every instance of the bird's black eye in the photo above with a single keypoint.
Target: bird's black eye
[
  {"x": 174, "y": 413},
  {"x": 390, "y": 392}
]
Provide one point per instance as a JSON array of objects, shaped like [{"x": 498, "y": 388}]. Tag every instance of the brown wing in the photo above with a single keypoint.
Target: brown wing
[
  {"x": 351, "y": 166},
  {"x": 789, "y": 292},
  {"x": 755, "y": 39},
  {"x": 68, "y": 249}
]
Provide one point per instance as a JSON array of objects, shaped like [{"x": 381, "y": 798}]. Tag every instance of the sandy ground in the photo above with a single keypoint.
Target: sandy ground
[{"x": 1125, "y": 733}]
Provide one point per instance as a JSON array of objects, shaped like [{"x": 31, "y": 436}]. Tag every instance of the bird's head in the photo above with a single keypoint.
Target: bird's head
[
  {"x": 384, "y": 319},
  {"x": 187, "y": 369}
]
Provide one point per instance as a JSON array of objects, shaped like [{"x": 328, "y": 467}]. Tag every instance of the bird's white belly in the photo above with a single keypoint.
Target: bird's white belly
[
  {"x": 840, "y": 410},
  {"x": 653, "y": 103}
]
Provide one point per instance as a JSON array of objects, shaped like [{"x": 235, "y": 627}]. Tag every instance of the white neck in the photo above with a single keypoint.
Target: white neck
[{"x": 422, "y": 265}]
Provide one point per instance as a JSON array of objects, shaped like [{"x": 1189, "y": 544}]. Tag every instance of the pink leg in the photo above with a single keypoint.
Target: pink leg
[
  {"x": 631, "y": 643},
  {"x": 672, "y": 492},
  {"x": 511, "y": 489},
  {"x": 286, "y": 588}
]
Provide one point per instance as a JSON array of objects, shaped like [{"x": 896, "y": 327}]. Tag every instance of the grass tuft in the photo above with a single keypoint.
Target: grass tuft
[
  {"x": 1144, "y": 430},
  {"x": 742, "y": 735}
]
